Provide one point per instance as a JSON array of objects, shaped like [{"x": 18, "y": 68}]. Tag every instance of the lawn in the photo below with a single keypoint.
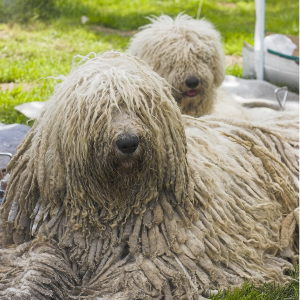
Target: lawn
[
  {"x": 30, "y": 53},
  {"x": 267, "y": 291},
  {"x": 39, "y": 38}
]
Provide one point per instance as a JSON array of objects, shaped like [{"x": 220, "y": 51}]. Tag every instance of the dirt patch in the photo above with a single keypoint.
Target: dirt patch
[
  {"x": 10, "y": 86},
  {"x": 114, "y": 31},
  {"x": 230, "y": 5},
  {"x": 4, "y": 34},
  {"x": 231, "y": 60}
]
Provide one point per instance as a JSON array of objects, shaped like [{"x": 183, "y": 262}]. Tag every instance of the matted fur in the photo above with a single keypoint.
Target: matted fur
[
  {"x": 197, "y": 207},
  {"x": 181, "y": 48}
]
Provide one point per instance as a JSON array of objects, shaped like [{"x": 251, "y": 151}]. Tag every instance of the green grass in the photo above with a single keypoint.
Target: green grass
[
  {"x": 10, "y": 99},
  {"x": 235, "y": 19},
  {"x": 30, "y": 53},
  {"x": 267, "y": 291}
]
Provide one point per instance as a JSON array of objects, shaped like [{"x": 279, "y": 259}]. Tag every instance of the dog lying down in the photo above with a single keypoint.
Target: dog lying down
[
  {"x": 188, "y": 54},
  {"x": 113, "y": 194}
]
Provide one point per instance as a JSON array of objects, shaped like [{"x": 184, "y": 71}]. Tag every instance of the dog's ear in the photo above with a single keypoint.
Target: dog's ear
[{"x": 218, "y": 67}]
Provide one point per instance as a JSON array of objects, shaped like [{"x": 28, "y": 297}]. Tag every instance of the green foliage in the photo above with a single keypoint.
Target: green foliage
[
  {"x": 235, "y": 19},
  {"x": 29, "y": 54},
  {"x": 235, "y": 70},
  {"x": 27, "y": 10},
  {"x": 10, "y": 99},
  {"x": 267, "y": 291}
]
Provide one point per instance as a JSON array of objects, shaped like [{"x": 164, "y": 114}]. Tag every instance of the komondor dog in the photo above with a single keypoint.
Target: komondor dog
[
  {"x": 114, "y": 195},
  {"x": 188, "y": 54}
]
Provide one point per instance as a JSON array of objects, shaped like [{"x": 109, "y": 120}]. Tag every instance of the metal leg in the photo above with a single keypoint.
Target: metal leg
[{"x": 281, "y": 101}]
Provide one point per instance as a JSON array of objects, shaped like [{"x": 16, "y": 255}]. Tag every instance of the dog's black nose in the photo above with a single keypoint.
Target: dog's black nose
[
  {"x": 192, "y": 82},
  {"x": 127, "y": 143}
]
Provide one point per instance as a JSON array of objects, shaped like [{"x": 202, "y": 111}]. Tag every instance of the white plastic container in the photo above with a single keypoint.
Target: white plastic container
[{"x": 277, "y": 69}]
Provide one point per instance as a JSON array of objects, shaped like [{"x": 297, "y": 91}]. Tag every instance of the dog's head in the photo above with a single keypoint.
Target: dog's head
[
  {"x": 111, "y": 136},
  {"x": 188, "y": 54},
  {"x": 124, "y": 120}
]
